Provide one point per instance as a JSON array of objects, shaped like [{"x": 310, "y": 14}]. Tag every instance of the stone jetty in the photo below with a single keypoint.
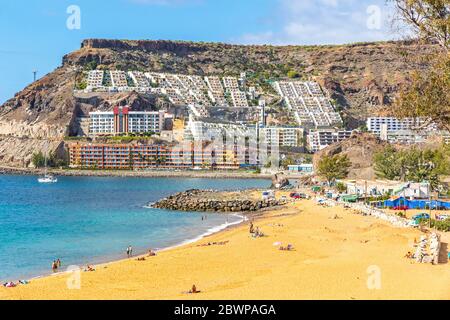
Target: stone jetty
[{"x": 216, "y": 201}]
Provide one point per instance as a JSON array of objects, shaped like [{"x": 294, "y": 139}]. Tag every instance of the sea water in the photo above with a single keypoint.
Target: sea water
[{"x": 88, "y": 220}]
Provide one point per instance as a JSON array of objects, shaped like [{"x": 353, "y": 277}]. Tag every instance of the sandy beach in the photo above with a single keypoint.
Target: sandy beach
[{"x": 333, "y": 259}]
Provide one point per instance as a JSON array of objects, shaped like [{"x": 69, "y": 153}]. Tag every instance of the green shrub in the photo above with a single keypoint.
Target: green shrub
[{"x": 441, "y": 225}]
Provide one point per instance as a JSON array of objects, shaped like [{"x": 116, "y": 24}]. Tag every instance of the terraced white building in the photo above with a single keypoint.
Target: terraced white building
[
  {"x": 95, "y": 79},
  {"x": 308, "y": 103}
]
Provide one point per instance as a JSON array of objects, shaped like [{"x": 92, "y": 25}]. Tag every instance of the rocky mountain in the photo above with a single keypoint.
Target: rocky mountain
[
  {"x": 360, "y": 149},
  {"x": 361, "y": 78}
]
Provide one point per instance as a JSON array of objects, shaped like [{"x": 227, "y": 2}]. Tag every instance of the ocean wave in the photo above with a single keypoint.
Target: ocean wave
[{"x": 209, "y": 232}]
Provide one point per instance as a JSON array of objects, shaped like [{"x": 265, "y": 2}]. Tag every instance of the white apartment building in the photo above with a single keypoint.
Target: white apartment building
[
  {"x": 201, "y": 130},
  {"x": 311, "y": 108},
  {"x": 377, "y": 125},
  {"x": 214, "y": 84},
  {"x": 284, "y": 136},
  {"x": 118, "y": 79},
  {"x": 403, "y": 131},
  {"x": 101, "y": 123},
  {"x": 114, "y": 122},
  {"x": 95, "y": 79},
  {"x": 239, "y": 99},
  {"x": 180, "y": 89},
  {"x": 139, "y": 79},
  {"x": 230, "y": 83},
  {"x": 146, "y": 121},
  {"x": 320, "y": 139}
]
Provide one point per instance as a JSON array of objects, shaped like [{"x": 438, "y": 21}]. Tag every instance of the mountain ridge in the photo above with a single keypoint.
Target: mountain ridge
[{"x": 362, "y": 79}]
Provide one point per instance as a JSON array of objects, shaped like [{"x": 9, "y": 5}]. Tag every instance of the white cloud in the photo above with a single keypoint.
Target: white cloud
[{"x": 321, "y": 22}]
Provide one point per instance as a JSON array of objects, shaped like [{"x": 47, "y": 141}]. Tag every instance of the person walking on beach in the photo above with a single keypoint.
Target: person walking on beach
[
  {"x": 58, "y": 263},
  {"x": 129, "y": 252},
  {"x": 54, "y": 266}
]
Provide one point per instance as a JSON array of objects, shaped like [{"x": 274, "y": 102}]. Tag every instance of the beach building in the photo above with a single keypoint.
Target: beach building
[
  {"x": 307, "y": 168},
  {"x": 150, "y": 156},
  {"x": 375, "y": 188},
  {"x": 322, "y": 138},
  {"x": 422, "y": 204},
  {"x": 123, "y": 121}
]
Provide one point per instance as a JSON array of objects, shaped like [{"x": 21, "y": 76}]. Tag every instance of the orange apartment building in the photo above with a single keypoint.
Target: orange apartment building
[{"x": 150, "y": 156}]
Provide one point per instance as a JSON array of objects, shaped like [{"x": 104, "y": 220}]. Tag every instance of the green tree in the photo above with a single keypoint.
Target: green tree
[
  {"x": 427, "y": 94},
  {"x": 334, "y": 167},
  {"x": 292, "y": 74},
  {"x": 288, "y": 161},
  {"x": 341, "y": 187},
  {"x": 386, "y": 164},
  {"x": 412, "y": 165},
  {"x": 427, "y": 19},
  {"x": 38, "y": 159}
]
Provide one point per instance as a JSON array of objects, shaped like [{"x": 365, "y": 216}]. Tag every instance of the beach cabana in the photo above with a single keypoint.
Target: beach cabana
[
  {"x": 350, "y": 198},
  {"x": 416, "y": 203}
]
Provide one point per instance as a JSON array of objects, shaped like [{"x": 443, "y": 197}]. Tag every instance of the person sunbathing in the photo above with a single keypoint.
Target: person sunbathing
[
  {"x": 194, "y": 289},
  {"x": 289, "y": 247},
  {"x": 89, "y": 268},
  {"x": 141, "y": 259},
  {"x": 151, "y": 253}
]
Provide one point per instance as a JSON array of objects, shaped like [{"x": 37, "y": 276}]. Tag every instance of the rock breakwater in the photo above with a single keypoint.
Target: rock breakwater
[{"x": 216, "y": 201}]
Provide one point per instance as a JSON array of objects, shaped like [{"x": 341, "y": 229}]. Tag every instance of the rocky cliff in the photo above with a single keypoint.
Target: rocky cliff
[
  {"x": 360, "y": 149},
  {"x": 361, "y": 78}
]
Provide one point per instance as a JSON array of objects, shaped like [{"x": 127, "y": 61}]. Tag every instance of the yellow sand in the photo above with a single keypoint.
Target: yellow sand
[{"x": 331, "y": 261}]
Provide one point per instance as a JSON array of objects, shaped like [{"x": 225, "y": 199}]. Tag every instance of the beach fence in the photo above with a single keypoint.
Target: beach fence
[{"x": 366, "y": 210}]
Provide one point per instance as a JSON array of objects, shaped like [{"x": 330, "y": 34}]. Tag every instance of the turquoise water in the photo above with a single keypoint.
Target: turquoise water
[{"x": 86, "y": 220}]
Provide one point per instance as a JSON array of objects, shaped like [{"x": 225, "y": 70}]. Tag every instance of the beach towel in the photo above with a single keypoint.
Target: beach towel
[{"x": 9, "y": 285}]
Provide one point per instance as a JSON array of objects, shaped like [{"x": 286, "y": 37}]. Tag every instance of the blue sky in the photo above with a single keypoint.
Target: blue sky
[{"x": 34, "y": 33}]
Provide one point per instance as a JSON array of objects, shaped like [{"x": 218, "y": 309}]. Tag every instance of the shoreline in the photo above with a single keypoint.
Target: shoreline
[
  {"x": 220, "y": 228},
  {"x": 329, "y": 261},
  {"x": 137, "y": 174}
]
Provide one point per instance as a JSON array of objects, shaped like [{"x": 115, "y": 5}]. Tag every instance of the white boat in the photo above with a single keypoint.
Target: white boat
[{"x": 48, "y": 178}]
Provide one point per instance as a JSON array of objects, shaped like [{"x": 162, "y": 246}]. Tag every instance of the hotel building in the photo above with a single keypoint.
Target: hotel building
[
  {"x": 403, "y": 131},
  {"x": 123, "y": 121},
  {"x": 285, "y": 136},
  {"x": 320, "y": 139},
  {"x": 150, "y": 156}
]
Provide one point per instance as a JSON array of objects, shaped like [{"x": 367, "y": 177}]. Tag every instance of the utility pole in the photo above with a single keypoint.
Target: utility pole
[{"x": 34, "y": 75}]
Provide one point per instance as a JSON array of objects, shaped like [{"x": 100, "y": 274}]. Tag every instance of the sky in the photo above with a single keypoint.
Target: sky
[{"x": 35, "y": 34}]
